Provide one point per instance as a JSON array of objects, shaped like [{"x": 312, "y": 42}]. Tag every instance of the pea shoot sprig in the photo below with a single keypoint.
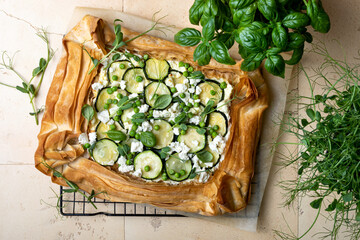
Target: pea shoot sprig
[
  {"x": 329, "y": 140},
  {"x": 28, "y": 86}
]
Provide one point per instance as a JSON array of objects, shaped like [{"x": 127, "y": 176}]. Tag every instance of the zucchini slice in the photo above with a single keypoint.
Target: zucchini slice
[
  {"x": 103, "y": 96},
  {"x": 158, "y": 88},
  {"x": 119, "y": 69},
  {"x": 148, "y": 160},
  {"x": 215, "y": 160},
  {"x": 102, "y": 128},
  {"x": 218, "y": 118},
  {"x": 132, "y": 85},
  {"x": 193, "y": 139},
  {"x": 206, "y": 89},
  {"x": 105, "y": 152},
  {"x": 164, "y": 136},
  {"x": 175, "y": 166},
  {"x": 124, "y": 117},
  {"x": 176, "y": 77},
  {"x": 156, "y": 70}
]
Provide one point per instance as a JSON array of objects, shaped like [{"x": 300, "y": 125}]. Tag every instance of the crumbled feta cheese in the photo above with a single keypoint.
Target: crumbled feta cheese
[
  {"x": 169, "y": 82},
  {"x": 97, "y": 86},
  {"x": 186, "y": 81},
  {"x": 137, "y": 173},
  {"x": 83, "y": 138},
  {"x": 123, "y": 167},
  {"x": 92, "y": 137},
  {"x": 115, "y": 84},
  {"x": 183, "y": 156},
  {"x": 197, "y": 90},
  {"x": 161, "y": 114},
  {"x": 176, "y": 131},
  {"x": 203, "y": 177},
  {"x": 130, "y": 114},
  {"x": 146, "y": 126},
  {"x": 192, "y": 81},
  {"x": 195, "y": 142},
  {"x": 111, "y": 70},
  {"x": 180, "y": 148},
  {"x": 195, "y": 120},
  {"x": 113, "y": 110},
  {"x": 122, "y": 84},
  {"x": 110, "y": 122},
  {"x": 191, "y": 90},
  {"x": 217, "y": 144},
  {"x": 208, "y": 164},
  {"x": 133, "y": 95},
  {"x": 196, "y": 162},
  {"x": 136, "y": 146},
  {"x": 143, "y": 108},
  {"x": 181, "y": 88},
  {"x": 103, "y": 116}
]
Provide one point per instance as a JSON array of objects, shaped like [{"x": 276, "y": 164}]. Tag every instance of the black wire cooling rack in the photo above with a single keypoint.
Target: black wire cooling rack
[{"x": 75, "y": 204}]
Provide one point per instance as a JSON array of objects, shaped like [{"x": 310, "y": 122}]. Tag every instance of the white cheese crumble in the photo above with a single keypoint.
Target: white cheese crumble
[
  {"x": 195, "y": 120},
  {"x": 217, "y": 144},
  {"x": 195, "y": 142},
  {"x": 203, "y": 177},
  {"x": 136, "y": 146},
  {"x": 143, "y": 108},
  {"x": 113, "y": 110},
  {"x": 123, "y": 167},
  {"x": 122, "y": 84},
  {"x": 103, "y": 116},
  {"x": 133, "y": 95},
  {"x": 197, "y": 90},
  {"x": 180, "y": 148},
  {"x": 169, "y": 82},
  {"x": 92, "y": 137},
  {"x": 97, "y": 86},
  {"x": 110, "y": 122},
  {"x": 83, "y": 138},
  {"x": 176, "y": 131},
  {"x": 137, "y": 173},
  {"x": 146, "y": 126},
  {"x": 181, "y": 88}
]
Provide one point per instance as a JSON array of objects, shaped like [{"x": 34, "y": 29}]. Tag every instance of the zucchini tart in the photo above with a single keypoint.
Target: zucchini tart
[{"x": 162, "y": 130}]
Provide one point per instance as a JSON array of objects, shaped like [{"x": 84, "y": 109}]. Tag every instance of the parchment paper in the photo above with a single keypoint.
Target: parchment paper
[{"x": 278, "y": 87}]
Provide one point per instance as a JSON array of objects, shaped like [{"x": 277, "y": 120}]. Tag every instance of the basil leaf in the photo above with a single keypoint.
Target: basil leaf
[
  {"x": 209, "y": 29},
  {"x": 279, "y": 36},
  {"x": 310, "y": 113},
  {"x": 88, "y": 112},
  {"x": 252, "y": 61},
  {"x": 220, "y": 53},
  {"x": 208, "y": 107},
  {"x": 122, "y": 101},
  {"x": 296, "y": 40},
  {"x": 187, "y": 37},
  {"x": 275, "y": 65},
  {"x": 205, "y": 156},
  {"x": 123, "y": 149},
  {"x": 319, "y": 19},
  {"x": 245, "y": 16},
  {"x": 202, "y": 54},
  {"x": 296, "y": 20},
  {"x": 253, "y": 41},
  {"x": 196, "y": 11},
  {"x": 316, "y": 203},
  {"x": 166, "y": 149},
  {"x": 138, "y": 118},
  {"x": 180, "y": 118},
  {"x": 116, "y": 135},
  {"x": 162, "y": 101},
  {"x": 126, "y": 106},
  {"x": 183, "y": 127},
  {"x": 239, "y": 4},
  {"x": 196, "y": 75},
  {"x": 296, "y": 56},
  {"x": 273, "y": 51},
  {"x": 227, "y": 38},
  {"x": 148, "y": 139},
  {"x": 211, "y": 8},
  {"x": 308, "y": 37},
  {"x": 201, "y": 131},
  {"x": 268, "y": 8}
]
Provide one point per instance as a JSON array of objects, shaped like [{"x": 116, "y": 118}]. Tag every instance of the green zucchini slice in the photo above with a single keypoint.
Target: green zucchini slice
[
  {"x": 158, "y": 88},
  {"x": 164, "y": 136},
  {"x": 176, "y": 77},
  {"x": 175, "y": 166},
  {"x": 102, "y": 128},
  {"x": 195, "y": 141},
  {"x": 132, "y": 85},
  {"x": 103, "y": 96},
  {"x": 218, "y": 118},
  {"x": 124, "y": 117},
  {"x": 156, "y": 70},
  {"x": 120, "y": 68},
  {"x": 105, "y": 152},
  {"x": 206, "y": 88},
  {"x": 215, "y": 160},
  {"x": 148, "y": 160}
]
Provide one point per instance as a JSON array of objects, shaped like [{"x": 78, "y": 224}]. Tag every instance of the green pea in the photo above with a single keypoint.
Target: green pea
[
  {"x": 128, "y": 162},
  {"x": 130, "y": 155},
  {"x": 147, "y": 168},
  {"x": 213, "y": 92},
  {"x": 182, "y": 95},
  {"x": 181, "y": 64},
  {"x": 183, "y": 132},
  {"x": 202, "y": 124},
  {"x": 151, "y": 111},
  {"x": 182, "y": 104},
  {"x": 186, "y": 74},
  {"x": 114, "y": 88},
  {"x": 190, "y": 105},
  {"x": 115, "y": 101},
  {"x": 106, "y": 106},
  {"x": 186, "y": 108},
  {"x": 172, "y": 172},
  {"x": 196, "y": 97},
  {"x": 112, "y": 127},
  {"x": 177, "y": 175},
  {"x": 190, "y": 115},
  {"x": 211, "y": 131},
  {"x": 214, "y": 134},
  {"x": 119, "y": 96},
  {"x": 109, "y": 91},
  {"x": 119, "y": 112},
  {"x": 216, "y": 127},
  {"x": 187, "y": 65},
  {"x": 109, "y": 101},
  {"x": 146, "y": 57},
  {"x": 136, "y": 110},
  {"x": 138, "y": 103},
  {"x": 137, "y": 136},
  {"x": 115, "y": 78},
  {"x": 156, "y": 127},
  {"x": 182, "y": 172},
  {"x": 190, "y": 69},
  {"x": 136, "y": 58},
  {"x": 173, "y": 90},
  {"x": 132, "y": 133},
  {"x": 134, "y": 127},
  {"x": 164, "y": 176},
  {"x": 139, "y": 78},
  {"x": 117, "y": 118},
  {"x": 122, "y": 66},
  {"x": 196, "y": 104},
  {"x": 223, "y": 85},
  {"x": 86, "y": 145},
  {"x": 141, "y": 64}
]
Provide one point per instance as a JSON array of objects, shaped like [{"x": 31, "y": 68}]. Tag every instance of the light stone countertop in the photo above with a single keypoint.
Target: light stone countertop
[{"x": 26, "y": 193}]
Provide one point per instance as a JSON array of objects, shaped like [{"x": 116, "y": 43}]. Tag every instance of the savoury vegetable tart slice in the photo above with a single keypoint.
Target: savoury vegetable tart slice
[{"x": 226, "y": 189}]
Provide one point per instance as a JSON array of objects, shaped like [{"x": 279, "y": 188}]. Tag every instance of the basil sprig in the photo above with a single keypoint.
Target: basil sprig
[{"x": 262, "y": 29}]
